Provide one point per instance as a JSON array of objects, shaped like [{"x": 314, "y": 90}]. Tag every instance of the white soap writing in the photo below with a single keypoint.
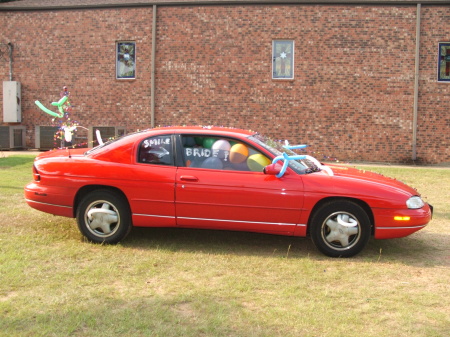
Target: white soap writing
[
  {"x": 205, "y": 153},
  {"x": 156, "y": 141}
]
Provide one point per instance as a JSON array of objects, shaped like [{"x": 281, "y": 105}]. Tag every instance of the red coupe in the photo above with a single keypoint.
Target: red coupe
[{"x": 219, "y": 178}]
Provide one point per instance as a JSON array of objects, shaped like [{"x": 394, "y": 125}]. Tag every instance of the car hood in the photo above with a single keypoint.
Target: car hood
[{"x": 372, "y": 178}]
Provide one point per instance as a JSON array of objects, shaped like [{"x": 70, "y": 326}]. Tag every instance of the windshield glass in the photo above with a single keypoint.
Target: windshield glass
[{"x": 301, "y": 166}]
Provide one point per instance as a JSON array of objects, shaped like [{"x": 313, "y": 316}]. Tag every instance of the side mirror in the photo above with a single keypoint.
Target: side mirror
[{"x": 273, "y": 169}]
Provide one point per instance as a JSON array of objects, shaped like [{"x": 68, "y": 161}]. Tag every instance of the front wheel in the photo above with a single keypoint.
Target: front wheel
[
  {"x": 340, "y": 229},
  {"x": 104, "y": 216}
]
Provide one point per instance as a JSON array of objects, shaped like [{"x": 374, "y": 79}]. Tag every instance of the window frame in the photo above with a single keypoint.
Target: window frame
[
  {"x": 118, "y": 59},
  {"x": 445, "y": 45},
  {"x": 181, "y": 155},
  {"x": 172, "y": 154},
  {"x": 276, "y": 43}
]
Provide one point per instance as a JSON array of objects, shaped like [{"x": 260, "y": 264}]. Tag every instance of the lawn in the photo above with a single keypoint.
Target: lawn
[{"x": 169, "y": 282}]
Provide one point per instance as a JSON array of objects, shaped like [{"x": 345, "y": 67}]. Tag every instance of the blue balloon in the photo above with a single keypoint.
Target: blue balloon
[
  {"x": 285, "y": 157},
  {"x": 213, "y": 163}
]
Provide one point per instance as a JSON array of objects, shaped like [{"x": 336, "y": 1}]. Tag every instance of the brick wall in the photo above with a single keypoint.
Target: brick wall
[
  {"x": 76, "y": 48},
  {"x": 351, "y": 99},
  {"x": 434, "y": 98}
]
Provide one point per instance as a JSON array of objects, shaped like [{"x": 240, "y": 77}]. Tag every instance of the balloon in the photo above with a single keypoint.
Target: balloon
[
  {"x": 196, "y": 162},
  {"x": 285, "y": 157},
  {"x": 59, "y": 104},
  {"x": 208, "y": 142},
  {"x": 99, "y": 137},
  {"x": 222, "y": 147},
  {"x": 257, "y": 162},
  {"x": 240, "y": 166},
  {"x": 212, "y": 163},
  {"x": 188, "y": 141},
  {"x": 238, "y": 153}
]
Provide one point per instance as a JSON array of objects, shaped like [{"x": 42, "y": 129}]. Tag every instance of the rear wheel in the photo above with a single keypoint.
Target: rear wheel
[
  {"x": 340, "y": 229},
  {"x": 104, "y": 216}
]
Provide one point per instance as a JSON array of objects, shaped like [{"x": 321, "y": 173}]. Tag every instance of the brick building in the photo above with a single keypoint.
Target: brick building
[{"x": 357, "y": 80}]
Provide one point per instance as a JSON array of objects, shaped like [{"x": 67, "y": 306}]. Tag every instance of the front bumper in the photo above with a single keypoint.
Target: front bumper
[{"x": 386, "y": 227}]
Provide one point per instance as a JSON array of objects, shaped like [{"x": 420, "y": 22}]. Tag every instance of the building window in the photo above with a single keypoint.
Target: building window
[
  {"x": 125, "y": 60},
  {"x": 283, "y": 59},
  {"x": 444, "y": 62}
]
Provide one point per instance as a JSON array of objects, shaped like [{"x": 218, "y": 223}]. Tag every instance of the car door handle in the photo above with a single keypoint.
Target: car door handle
[{"x": 188, "y": 178}]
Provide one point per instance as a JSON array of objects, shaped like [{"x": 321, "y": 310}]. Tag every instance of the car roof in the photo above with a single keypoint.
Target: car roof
[
  {"x": 129, "y": 139},
  {"x": 204, "y": 129}
]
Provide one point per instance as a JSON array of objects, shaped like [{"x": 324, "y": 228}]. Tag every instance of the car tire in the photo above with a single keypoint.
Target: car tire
[
  {"x": 340, "y": 228},
  {"x": 104, "y": 216}
]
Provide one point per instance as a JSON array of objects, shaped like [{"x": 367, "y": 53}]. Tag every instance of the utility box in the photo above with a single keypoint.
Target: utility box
[{"x": 12, "y": 111}]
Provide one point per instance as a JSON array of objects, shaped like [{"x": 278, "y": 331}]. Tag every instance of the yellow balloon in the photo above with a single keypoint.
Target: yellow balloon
[{"x": 257, "y": 162}]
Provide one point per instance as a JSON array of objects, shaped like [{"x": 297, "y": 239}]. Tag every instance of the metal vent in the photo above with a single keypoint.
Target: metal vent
[
  {"x": 45, "y": 137},
  {"x": 12, "y": 137},
  {"x": 4, "y": 137}
]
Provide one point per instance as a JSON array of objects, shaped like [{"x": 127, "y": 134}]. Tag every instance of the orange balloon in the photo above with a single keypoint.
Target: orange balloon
[{"x": 238, "y": 153}]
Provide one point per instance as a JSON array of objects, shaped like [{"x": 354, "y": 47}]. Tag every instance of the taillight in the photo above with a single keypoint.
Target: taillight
[{"x": 36, "y": 175}]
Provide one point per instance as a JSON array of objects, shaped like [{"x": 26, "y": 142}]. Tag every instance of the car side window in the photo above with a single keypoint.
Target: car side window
[
  {"x": 156, "y": 150},
  {"x": 221, "y": 154}
]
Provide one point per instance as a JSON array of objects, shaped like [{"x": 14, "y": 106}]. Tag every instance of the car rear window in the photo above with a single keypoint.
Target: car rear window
[{"x": 157, "y": 150}]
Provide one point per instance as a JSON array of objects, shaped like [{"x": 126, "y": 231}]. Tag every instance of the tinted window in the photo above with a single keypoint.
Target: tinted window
[
  {"x": 156, "y": 150},
  {"x": 221, "y": 154}
]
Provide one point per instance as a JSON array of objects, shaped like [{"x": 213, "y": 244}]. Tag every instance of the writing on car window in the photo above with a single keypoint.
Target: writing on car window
[
  {"x": 222, "y": 154},
  {"x": 156, "y": 150}
]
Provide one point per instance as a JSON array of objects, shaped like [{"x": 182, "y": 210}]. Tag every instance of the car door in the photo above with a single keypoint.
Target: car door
[
  {"x": 224, "y": 187},
  {"x": 153, "y": 176}
]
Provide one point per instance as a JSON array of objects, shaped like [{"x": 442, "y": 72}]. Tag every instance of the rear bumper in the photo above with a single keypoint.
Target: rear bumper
[
  {"x": 39, "y": 198},
  {"x": 51, "y": 208}
]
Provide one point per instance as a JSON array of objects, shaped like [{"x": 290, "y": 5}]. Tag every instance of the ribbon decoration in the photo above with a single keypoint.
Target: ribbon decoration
[{"x": 68, "y": 132}]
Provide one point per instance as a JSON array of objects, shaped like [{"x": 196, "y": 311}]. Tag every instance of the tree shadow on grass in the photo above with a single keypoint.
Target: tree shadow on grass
[{"x": 422, "y": 250}]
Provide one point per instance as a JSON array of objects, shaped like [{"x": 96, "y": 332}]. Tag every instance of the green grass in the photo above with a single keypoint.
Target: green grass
[{"x": 169, "y": 282}]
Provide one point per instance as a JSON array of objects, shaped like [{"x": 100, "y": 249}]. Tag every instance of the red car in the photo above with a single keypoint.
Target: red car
[{"x": 219, "y": 178}]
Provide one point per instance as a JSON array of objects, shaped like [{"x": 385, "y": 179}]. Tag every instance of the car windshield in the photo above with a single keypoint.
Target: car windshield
[{"x": 301, "y": 166}]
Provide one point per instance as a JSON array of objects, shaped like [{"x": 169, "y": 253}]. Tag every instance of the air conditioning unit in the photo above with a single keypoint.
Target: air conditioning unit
[
  {"x": 12, "y": 137},
  {"x": 106, "y": 133},
  {"x": 45, "y": 137},
  {"x": 12, "y": 111}
]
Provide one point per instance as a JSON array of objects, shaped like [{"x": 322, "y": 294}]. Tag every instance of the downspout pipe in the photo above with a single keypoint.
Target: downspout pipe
[
  {"x": 152, "y": 84},
  {"x": 10, "y": 47},
  {"x": 416, "y": 84}
]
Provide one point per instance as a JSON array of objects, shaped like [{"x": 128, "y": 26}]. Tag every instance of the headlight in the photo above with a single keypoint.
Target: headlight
[{"x": 415, "y": 202}]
